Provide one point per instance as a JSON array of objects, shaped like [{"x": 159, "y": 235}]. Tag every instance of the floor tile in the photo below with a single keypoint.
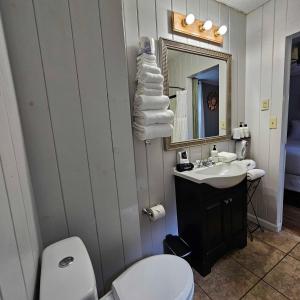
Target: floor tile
[
  {"x": 285, "y": 277},
  {"x": 258, "y": 257},
  {"x": 199, "y": 294},
  {"x": 284, "y": 240},
  {"x": 263, "y": 291},
  {"x": 296, "y": 252},
  {"x": 228, "y": 280}
]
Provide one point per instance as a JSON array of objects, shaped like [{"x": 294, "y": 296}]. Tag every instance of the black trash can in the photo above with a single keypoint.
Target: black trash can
[{"x": 175, "y": 245}]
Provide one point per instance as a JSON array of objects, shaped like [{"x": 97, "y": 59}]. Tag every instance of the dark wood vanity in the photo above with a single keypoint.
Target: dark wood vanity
[{"x": 212, "y": 221}]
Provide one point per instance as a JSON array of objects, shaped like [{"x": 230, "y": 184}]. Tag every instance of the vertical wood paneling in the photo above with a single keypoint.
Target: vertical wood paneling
[
  {"x": 17, "y": 206},
  {"x": 275, "y": 163},
  {"x": 163, "y": 14},
  {"x": 19, "y": 229},
  {"x": 237, "y": 49},
  {"x": 55, "y": 35},
  {"x": 179, "y": 6},
  {"x": 22, "y": 42},
  {"x": 92, "y": 85},
  {"x": 279, "y": 19},
  {"x": 265, "y": 93},
  {"x": 253, "y": 61},
  {"x": 253, "y": 66},
  {"x": 169, "y": 157},
  {"x": 194, "y": 7},
  {"x": 132, "y": 36},
  {"x": 72, "y": 88},
  {"x": 291, "y": 7},
  {"x": 241, "y": 37},
  {"x": 224, "y": 20},
  {"x": 154, "y": 156},
  {"x": 11, "y": 273},
  {"x": 119, "y": 104}
]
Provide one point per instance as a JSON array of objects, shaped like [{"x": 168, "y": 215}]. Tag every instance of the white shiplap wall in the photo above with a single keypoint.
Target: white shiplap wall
[
  {"x": 19, "y": 231},
  {"x": 69, "y": 67},
  {"x": 267, "y": 30},
  {"x": 155, "y": 182}
]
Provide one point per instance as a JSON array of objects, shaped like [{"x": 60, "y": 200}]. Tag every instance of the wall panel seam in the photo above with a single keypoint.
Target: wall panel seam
[
  {"x": 85, "y": 141},
  {"x": 13, "y": 224},
  {"x": 50, "y": 118},
  {"x": 111, "y": 135}
]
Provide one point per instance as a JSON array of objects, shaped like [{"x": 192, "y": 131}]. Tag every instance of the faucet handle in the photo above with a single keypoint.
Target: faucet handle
[{"x": 199, "y": 163}]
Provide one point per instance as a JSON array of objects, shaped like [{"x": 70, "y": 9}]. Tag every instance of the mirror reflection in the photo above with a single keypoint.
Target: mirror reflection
[{"x": 198, "y": 95}]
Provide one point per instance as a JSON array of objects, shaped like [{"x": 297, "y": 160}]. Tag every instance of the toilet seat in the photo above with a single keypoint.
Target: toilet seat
[{"x": 160, "y": 277}]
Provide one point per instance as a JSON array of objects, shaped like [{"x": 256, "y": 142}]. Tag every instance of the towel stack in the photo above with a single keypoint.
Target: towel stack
[{"x": 152, "y": 119}]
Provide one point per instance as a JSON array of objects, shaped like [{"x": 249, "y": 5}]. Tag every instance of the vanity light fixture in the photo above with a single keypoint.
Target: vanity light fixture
[
  {"x": 207, "y": 25},
  {"x": 221, "y": 31},
  {"x": 189, "y": 20},
  {"x": 204, "y": 30}
]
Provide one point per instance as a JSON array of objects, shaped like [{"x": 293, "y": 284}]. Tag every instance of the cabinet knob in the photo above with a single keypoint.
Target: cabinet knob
[{"x": 227, "y": 201}]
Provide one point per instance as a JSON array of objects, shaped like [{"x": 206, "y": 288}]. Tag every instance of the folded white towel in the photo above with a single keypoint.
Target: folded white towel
[
  {"x": 143, "y": 102},
  {"x": 144, "y": 77},
  {"x": 152, "y": 131},
  {"x": 146, "y": 63},
  {"x": 149, "y": 89},
  {"x": 248, "y": 163},
  {"x": 146, "y": 56},
  {"x": 227, "y": 156},
  {"x": 148, "y": 68},
  {"x": 149, "y": 92},
  {"x": 150, "y": 117},
  {"x": 255, "y": 174},
  {"x": 151, "y": 86}
]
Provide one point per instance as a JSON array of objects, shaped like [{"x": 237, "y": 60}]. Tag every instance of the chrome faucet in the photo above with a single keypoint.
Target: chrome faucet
[{"x": 205, "y": 163}]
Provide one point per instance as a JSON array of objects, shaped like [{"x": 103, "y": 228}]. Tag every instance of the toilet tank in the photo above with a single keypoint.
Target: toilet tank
[{"x": 67, "y": 272}]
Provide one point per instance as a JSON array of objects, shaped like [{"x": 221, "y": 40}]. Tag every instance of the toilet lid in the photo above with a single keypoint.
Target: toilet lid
[{"x": 160, "y": 277}]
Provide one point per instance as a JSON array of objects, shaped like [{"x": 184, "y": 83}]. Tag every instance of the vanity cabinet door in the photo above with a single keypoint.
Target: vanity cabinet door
[{"x": 213, "y": 229}]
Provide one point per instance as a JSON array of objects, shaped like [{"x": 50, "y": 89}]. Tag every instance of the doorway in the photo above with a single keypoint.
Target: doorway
[{"x": 291, "y": 198}]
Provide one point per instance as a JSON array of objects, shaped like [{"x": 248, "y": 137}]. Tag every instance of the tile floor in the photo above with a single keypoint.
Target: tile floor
[{"x": 268, "y": 268}]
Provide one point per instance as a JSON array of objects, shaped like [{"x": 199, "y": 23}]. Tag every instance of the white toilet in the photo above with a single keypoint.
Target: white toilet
[{"x": 67, "y": 274}]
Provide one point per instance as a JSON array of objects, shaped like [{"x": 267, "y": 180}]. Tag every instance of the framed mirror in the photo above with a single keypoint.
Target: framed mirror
[{"x": 198, "y": 83}]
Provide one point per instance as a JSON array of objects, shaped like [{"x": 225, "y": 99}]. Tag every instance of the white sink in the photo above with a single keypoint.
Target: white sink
[{"x": 221, "y": 175}]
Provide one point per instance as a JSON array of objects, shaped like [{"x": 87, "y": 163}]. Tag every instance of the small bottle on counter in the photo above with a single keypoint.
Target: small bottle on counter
[
  {"x": 246, "y": 131},
  {"x": 242, "y": 130},
  {"x": 214, "y": 154}
]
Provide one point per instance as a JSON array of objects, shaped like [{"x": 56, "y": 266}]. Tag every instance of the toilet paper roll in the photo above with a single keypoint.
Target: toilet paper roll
[{"x": 157, "y": 212}]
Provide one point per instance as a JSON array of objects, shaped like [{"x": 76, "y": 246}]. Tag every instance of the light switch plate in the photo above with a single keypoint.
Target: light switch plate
[
  {"x": 273, "y": 122},
  {"x": 223, "y": 125},
  {"x": 265, "y": 104}
]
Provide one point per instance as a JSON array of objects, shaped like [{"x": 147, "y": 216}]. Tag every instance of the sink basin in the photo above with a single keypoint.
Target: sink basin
[{"x": 221, "y": 175}]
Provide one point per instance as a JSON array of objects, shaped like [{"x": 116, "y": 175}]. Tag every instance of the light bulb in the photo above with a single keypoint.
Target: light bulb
[
  {"x": 207, "y": 25},
  {"x": 189, "y": 19},
  {"x": 221, "y": 31}
]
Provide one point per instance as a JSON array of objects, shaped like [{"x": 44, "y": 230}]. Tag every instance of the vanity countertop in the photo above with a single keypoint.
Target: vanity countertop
[{"x": 220, "y": 175}]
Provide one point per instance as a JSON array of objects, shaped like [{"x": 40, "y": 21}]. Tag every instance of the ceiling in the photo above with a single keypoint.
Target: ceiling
[{"x": 244, "y": 6}]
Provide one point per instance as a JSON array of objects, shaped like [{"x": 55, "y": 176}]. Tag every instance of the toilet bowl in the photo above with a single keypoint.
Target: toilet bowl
[{"x": 67, "y": 273}]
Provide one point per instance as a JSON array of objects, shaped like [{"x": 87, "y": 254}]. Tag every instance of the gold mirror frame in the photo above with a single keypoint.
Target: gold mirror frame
[{"x": 164, "y": 46}]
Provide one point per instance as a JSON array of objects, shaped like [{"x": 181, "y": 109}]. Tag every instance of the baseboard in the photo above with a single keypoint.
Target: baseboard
[{"x": 266, "y": 224}]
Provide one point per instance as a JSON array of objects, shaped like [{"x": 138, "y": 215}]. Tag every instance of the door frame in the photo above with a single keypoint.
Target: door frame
[{"x": 284, "y": 125}]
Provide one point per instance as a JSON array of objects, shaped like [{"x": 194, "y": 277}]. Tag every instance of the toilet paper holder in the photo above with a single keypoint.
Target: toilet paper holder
[
  {"x": 155, "y": 212},
  {"x": 147, "y": 211}
]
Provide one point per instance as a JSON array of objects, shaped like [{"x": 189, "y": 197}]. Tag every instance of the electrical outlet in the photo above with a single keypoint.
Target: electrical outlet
[
  {"x": 223, "y": 125},
  {"x": 264, "y": 104},
  {"x": 273, "y": 122}
]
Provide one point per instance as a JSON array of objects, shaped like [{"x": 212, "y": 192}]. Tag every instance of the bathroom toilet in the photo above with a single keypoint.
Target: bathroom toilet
[{"x": 67, "y": 273}]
